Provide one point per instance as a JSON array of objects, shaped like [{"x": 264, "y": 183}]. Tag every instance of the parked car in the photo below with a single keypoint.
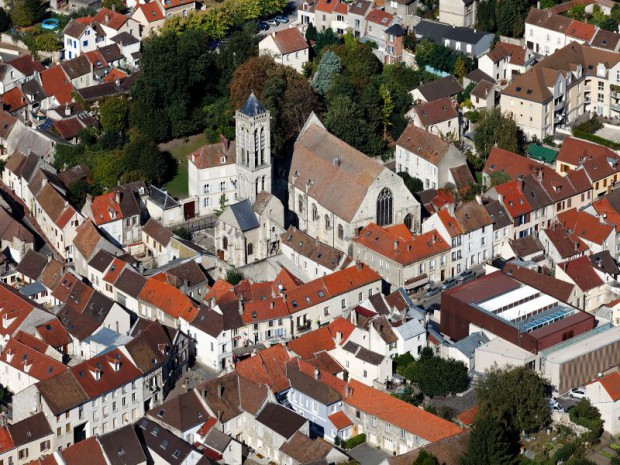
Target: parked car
[
  {"x": 431, "y": 291},
  {"x": 433, "y": 308},
  {"x": 263, "y": 26},
  {"x": 466, "y": 275},
  {"x": 554, "y": 405},
  {"x": 281, "y": 19},
  {"x": 271, "y": 22},
  {"x": 577, "y": 393},
  {"x": 449, "y": 283}
]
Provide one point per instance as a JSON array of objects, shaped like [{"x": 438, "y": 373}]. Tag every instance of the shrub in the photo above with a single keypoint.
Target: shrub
[
  {"x": 588, "y": 416},
  {"x": 590, "y": 126},
  {"x": 234, "y": 276},
  {"x": 565, "y": 452},
  {"x": 355, "y": 441},
  {"x": 596, "y": 139}
]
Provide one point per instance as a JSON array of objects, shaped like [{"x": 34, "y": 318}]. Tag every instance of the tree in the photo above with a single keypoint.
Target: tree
[
  {"x": 609, "y": 24},
  {"x": 518, "y": 396},
  {"x": 414, "y": 185},
  {"x": 495, "y": 129},
  {"x": 250, "y": 77},
  {"x": 234, "y": 276},
  {"x": 585, "y": 414},
  {"x": 5, "y": 20},
  {"x": 142, "y": 155},
  {"x": 26, "y": 12},
  {"x": 489, "y": 443},
  {"x": 117, "y": 5},
  {"x": 328, "y": 67},
  {"x": 48, "y": 42},
  {"x": 436, "y": 376},
  {"x": 114, "y": 114},
  {"x": 183, "y": 233},
  {"x": 511, "y": 17},
  {"x": 219, "y": 120},
  {"x": 240, "y": 46},
  {"x": 425, "y": 458},
  {"x": 459, "y": 68},
  {"x": 324, "y": 39},
  {"x": 311, "y": 33},
  {"x": 577, "y": 12},
  {"x": 387, "y": 109},
  {"x": 486, "y": 16}
]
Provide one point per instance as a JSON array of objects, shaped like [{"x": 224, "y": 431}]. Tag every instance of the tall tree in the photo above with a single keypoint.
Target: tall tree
[
  {"x": 517, "y": 396},
  {"x": 113, "y": 114},
  {"x": 328, "y": 67},
  {"x": 489, "y": 443},
  {"x": 425, "y": 458},
  {"x": 26, "y": 12},
  {"x": 495, "y": 129}
]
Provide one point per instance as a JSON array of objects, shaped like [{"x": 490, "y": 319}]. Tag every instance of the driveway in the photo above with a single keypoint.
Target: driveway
[{"x": 368, "y": 455}]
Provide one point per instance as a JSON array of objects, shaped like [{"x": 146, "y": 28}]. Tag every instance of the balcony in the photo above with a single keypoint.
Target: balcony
[
  {"x": 558, "y": 119},
  {"x": 559, "y": 106},
  {"x": 304, "y": 327}
]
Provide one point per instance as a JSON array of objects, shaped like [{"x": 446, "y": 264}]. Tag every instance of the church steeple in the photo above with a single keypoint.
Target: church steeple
[{"x": 252, "y": 124}]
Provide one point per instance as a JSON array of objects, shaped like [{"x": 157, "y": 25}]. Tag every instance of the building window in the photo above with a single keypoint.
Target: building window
[
  {"x": 340, "y": 232},
  {"x": 300, "y": 203},
  {"x": 409, "y": 221},
  {"x": 225, "y": 243},
  {"x": 250, "y": 249},
  {"x": 327, "y": 222},
  {"x": 315, "y": 213},
  {"x": 385, "y": 207}
]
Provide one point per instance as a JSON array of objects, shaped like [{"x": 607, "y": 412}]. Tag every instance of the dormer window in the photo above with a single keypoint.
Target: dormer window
[{"x": 96, "y": 374}]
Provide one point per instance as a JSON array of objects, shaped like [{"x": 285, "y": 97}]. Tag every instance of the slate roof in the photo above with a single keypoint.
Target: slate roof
[
  {"x": 32, "y": 265},
  {"x": 312, "y": 249},
  {"x": 162, "y": 198},
  {"x": 283, "y": 421},
  {"x": 30, "y": 429},
  {"x": 122, "y": 447},
  {"x": 252, "y": 106},
  {"x": 469, "y": 344},
  {"x": 182, "y": 412},
  {"x": 312, "y": 387},
  {"x": 244, "y": 214},
  {"x": 363, "y": 354},
  {"x": 440, "y": 88}
]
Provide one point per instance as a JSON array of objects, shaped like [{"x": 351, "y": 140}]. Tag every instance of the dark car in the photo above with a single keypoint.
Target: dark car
[
  {"x": 449, "y": 283},
  {"x": 431, "y": 291},
  {"x": 433, "y": 308},
  {"x": 263, "y": 26},
  {"x": 466, "y": 275}
]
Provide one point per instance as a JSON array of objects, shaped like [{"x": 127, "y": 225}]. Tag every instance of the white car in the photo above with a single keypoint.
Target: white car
[{"x": 577, "y": 393}]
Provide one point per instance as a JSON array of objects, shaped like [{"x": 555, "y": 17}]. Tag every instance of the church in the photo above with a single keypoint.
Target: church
[{"x": 336, "y": 190}]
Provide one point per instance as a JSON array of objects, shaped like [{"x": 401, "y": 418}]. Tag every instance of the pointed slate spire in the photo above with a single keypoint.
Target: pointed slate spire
[{"x": 252, "y": 107}]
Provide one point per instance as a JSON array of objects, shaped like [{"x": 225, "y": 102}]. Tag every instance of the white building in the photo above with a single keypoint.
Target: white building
[
  {"x": 287, "y": 47},
  {"x": 604, "y": 394}
]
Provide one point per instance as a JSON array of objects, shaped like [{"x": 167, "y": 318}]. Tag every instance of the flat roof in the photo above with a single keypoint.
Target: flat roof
[
  {"x": 506, "y": 349},
  {"x": 584, "y": 343}
]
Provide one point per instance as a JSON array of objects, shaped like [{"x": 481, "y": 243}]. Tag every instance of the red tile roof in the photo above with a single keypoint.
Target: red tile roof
[
  {"x": 582, "y": 273},
  {"x": 379, "y": 17},
  {"x": 611, "y": 383},
  {"x": 575, "y": 151},
  {"x": 14, "y": 309},
  {"x": 169, "y": 299},
  {"x": 105, "y": 373},
  {"x": 290, "y": 40},
  {"x": 513, "y": 199},
  {"x": 6, "y": 443},
  {"x": 266, "y": 367},
  {"x": 340, "y": 420},
  {"x": 512, "y": 164},
  {"x": 585, "y": 226},
  {"x": 264, "y": 310},
  {"x": 315, "y": 341},
  {"x": 399, "y": 414},
  {"x": 468, "y": 416},
  {"x": 219, "y": 288},
  {"x": 87, "y": 451},
  {"x": 151, "y": 12},
  {"x": 204, "y": 429},
  {"x": 14, "y": 99},
  {"x": 581, "y": 30},
  {"x": 449, "y": 222},
  {"x": 114, "y": 75},
  {"x": 106, "y": 209},
  {"x": 606, "y": 210},
  {"x": 30, "y": 360},
  {"x": 114, "y": 270},
  {"x": 54, "y": 333},
  {"x": 436, "y": 112},
  {"x": 110, "y": 18},
  {"x": 96, "y": 58},
  {"x": 55, "y": 82},
  {"x": 399, "y": 245},
  {"x": 326, "y": 5}
]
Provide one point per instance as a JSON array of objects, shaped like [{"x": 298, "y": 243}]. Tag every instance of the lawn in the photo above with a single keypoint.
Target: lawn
[{"x": 179, "y": 149}]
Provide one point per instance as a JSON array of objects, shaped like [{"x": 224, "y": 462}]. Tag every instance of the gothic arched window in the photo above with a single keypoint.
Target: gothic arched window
[
  {"x": 256, "y": 148},
  {"x": 385, "y": 207},
  {"x": 225, "y": 243},
  {"x": 315, "y": 212},
  {"x": 327, "y": 222},
  {"x": 340, "y": 232},
  {"x": 262, "y": 146},
  {"x": 250, "y": 249},
  {"x": 409, "y": 221},
  {"x": 300, "y": 203}
]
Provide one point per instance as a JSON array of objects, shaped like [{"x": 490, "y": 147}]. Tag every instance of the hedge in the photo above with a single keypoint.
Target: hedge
[
  {"x": 565, "y": 452},
  {"x": 597, "y": 140},
  {"x": 355, "y": 441}
]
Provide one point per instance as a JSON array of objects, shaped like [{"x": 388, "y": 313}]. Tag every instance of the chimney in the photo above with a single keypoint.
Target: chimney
[
  {"x": 479, "y": 199},
  {"x": 49, "y": 257},
  {"x": 117, "y": 198},
  {"x": 271, "y": 305},
  {"x": 520, "y": 183},
  {"x": 434, "y": 238},
  {"x": 220, "y": 390},
  {"x": 338, "y": 337},
  {"x": 348, "y": 389},
  {"x": 106, "y": 18},
  {"x": 316, "y": 373},
  {"x": 336, "y": 161},
  {"x": 540, "y": 175},
  {"x": 212, "y": 302},
  {"x": 395, "y": 245},
  {"x": 359, "y": 266},
  {"x": 240, "y": 306},
  {"x": 67, "y": 110}
]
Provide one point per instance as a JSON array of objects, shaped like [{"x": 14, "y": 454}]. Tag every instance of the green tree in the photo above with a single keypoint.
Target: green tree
[
  {"x": 234, "y": 276},
  {"x": 585, "y": 414},
  {"x": 241, "y": 45},
  {"x": 387, "y": 109},
  {"x": 425, "y": 458},
  {"x": 414, "y": 185},
  {"x": 518, "y": 396},
  {"x": 609, "y": 24},
  {"x": 114, "y": 114},
  {"x": 183, "y": 233},
  {"x": 311, "y": 33},
  {"x": 577, "y": 12},
  {"x": 26, "y": 12},
  {"x": 142, "y": 155},
  {"x": 459, "y": 68},
  {"x": 511, "y": 17},
  {"x": 48, "y": 42},
  {"x": 324, "y": 39},
  {"x": 5, "y": 20},
  {"x": 219, "y": 120},
  {"x": 495, "y": 129},
  {"x": 489, "y": 443},
  {"x": 324, "y": 78},
  {"x": 486, "y": 16},
  {"x": 117, "y": 5},
  {"x": 436, "y": 376}
]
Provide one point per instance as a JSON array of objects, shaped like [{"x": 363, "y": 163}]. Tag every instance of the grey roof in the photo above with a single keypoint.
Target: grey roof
[
  {"x": 469, "y": 345},
  {"x": 252, "y": 107},
  {"x": 32, "y": 289},
  {"x": 498, "y": 214},
  {"x": 33, "y": 90},
  {"x": 124, "y": 38},
  {"x": 363, "y": 354},
  {"x": 409, "y": 330},
  {"x": 438, "y": 32},
  {"x": 478, "y": 75},
  {"x": 395, "y": 30},
  {"x": 217, "y": 440},
  {"x": 122, "y": 447},
  {"x": 161, "y": 198},
  {"x": 283, "y": 421},
  {"x": 108, "y": 338},
  {"x": 440, "y": 88},
  {"x": 466, "y": 35},
  {"x": 244, "y": 215}
]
